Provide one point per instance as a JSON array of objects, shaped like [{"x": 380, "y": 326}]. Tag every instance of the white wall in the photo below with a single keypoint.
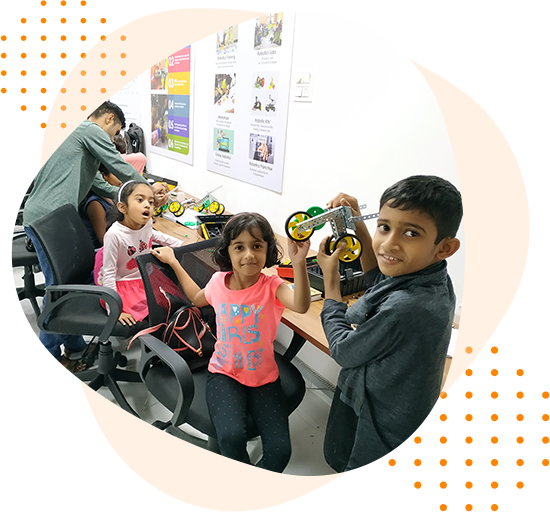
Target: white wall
[{"x": 373, "y": 120}]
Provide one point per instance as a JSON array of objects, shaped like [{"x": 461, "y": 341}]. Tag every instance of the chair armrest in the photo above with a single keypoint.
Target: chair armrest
[
  {"x": 152, "y": 350},
  {"x": 295, "y": 346},
  {"x": 57, "y": 294}
]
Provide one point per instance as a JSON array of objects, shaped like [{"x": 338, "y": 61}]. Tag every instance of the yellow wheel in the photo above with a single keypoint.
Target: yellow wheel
[
  {"x": 214, "y": 207},
  {"x": 200, "y": 207},
  {"x": 221, "y": 209},
  {"x": 174, "y": 207},
  {"x": 179, "y": 213},
  {"x": 290, "y": 227},
  {"x": 158, "y": 211},
  {"x": 353, "y": 248},
  {"x": 314, "y": 211}
]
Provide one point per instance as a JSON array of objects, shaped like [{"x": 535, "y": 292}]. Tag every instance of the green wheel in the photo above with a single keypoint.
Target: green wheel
[
  {"x": 314, "y": 211},
  {"x": 290, "y": 227}
]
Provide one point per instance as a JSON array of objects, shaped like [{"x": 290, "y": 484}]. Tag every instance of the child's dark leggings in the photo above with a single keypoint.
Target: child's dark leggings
[{"x": 228, "y": 403}]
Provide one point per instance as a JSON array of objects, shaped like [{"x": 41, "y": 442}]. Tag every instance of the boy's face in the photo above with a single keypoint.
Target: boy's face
[{"x": 404, "y": 241}]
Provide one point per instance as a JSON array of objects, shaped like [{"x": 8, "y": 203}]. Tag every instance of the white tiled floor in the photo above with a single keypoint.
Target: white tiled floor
[{"x": 81, "y": 455}]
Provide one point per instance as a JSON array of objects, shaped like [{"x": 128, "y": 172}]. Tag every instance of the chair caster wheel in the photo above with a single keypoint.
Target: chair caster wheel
[
  {"x": 123, "y": 361},
  {"x": 58, "y": 427}
]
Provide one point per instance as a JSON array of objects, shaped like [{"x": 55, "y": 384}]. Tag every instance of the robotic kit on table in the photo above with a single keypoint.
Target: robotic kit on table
[
  {"x": 301, "y": 225},
  {"x": 211, "y": 226},
  {"x": 174, "y": 209}
]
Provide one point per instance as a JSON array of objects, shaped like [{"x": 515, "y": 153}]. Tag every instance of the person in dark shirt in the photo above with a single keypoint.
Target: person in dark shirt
[{"x": 392, "y": 343}]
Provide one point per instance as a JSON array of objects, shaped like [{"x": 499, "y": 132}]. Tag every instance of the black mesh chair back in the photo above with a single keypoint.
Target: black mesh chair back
[
  {"x": 159, "y": 279},
  {"x": 67, "y": 244},
  {"x": 18, "y": 179},
  {"x": 73, "y": 306}
]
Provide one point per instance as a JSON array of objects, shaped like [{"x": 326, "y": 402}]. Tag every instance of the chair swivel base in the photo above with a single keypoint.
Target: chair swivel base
[
  {"x": 211, "y": 444},
  {"x": 107, "y": 374}
]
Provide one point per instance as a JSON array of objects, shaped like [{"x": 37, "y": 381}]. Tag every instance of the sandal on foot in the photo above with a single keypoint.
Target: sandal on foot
[
  {"x": 85, "y": 353},
  {"x": 63, "y": 366}
]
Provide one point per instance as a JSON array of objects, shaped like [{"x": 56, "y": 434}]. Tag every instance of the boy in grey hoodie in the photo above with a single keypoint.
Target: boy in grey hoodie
[{"x": 393, "y": 341}]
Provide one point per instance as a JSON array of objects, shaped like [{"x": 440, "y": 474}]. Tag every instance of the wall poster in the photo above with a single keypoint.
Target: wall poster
[
  {"x": 249, "y": 102},
  {"x": 171, "y": 106}
]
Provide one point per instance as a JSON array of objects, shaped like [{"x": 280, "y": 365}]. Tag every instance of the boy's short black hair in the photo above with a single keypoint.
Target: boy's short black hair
[
  {"x": 109, "y": 107},
  {"x": 103, "y": 170},
  {"x": 432, "y": 195},
  {"x": 246, "y": 222}
]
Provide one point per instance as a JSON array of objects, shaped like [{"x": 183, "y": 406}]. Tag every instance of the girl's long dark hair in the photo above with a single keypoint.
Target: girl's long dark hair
[{"x": 246, "y": 222}]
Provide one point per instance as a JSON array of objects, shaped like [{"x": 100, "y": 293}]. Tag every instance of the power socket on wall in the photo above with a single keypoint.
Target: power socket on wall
[{"x": 302, "y": 84}]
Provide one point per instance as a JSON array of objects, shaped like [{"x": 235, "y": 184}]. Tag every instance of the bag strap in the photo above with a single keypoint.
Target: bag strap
[{"x": 155, "y": 328}]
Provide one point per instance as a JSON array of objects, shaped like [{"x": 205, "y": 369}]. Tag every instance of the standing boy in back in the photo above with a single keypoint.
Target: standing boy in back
[
  {"x": 66, "y": 178},
  {"x": 392, "y": 343}
]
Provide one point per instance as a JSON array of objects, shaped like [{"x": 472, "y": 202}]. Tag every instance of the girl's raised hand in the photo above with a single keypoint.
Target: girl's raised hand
[
  {"x": 297, "y": 251},
  {"x": 165, "y": 254}
]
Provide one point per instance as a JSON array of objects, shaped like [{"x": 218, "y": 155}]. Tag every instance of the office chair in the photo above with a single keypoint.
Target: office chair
[
  {"x": 167, "y": 375},
  {"x": 73, "y": 307},
  {"x": 18, "y": 180},
  {"x": 22, "y": 257}
]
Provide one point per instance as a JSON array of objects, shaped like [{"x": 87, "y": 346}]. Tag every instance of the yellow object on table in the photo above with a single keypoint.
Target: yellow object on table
[{"x": 481, "y": 378}]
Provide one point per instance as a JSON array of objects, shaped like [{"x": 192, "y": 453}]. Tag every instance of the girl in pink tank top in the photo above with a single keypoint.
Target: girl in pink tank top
[{"x": 249, "y": 304}]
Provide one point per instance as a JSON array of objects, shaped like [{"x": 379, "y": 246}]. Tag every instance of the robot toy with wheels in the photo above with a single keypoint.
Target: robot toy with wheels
[
  {"x": 209, "y": 204},
  {"x": 301, "y": 225},
  {"x": 174, "y": 207}
]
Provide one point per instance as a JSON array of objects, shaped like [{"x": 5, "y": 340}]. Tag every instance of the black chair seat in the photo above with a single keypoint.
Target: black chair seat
[
  {"x": 20, "y": 255},
  {"x": 161, "y": 382},
  {"x": 71, "y": 315}
]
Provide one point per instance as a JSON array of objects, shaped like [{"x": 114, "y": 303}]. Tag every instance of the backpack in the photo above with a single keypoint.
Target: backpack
[
  {"x": 186, "y": 333},
  {"x": 135, "y": 139}
]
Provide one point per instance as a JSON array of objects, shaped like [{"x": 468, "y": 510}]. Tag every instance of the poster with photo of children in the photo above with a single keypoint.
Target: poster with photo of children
[
  {"x": 248, "y": 114},
  {"x": 268, "y": 31},
  {"x": 171, "y": 106}
]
